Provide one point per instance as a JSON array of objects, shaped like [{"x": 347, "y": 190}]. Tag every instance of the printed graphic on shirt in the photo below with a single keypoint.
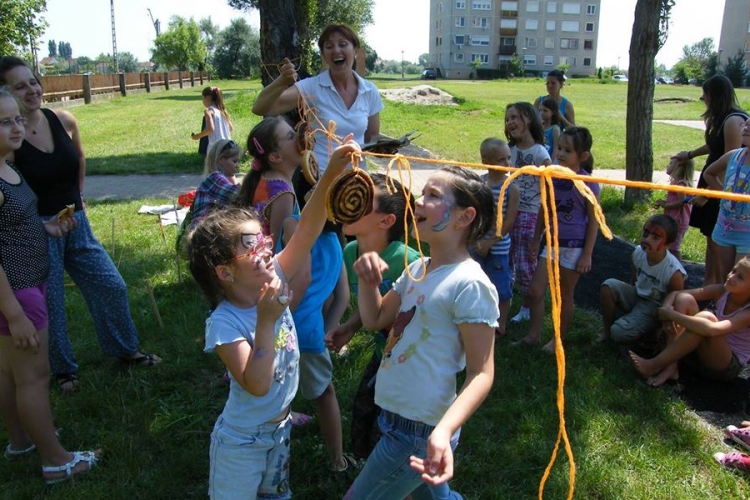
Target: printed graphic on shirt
[{"x": 397, "y": 331}]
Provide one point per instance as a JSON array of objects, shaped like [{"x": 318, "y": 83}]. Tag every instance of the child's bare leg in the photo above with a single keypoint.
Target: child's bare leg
[
  {"x": 31, "y": 375},
  {"x": 19, "y": 439},
  {"x": 568, "y": 281},
  {"x": 713, "y": 269},
  {"x": 727, "y": 257},
  {"x": 609, "y": 306},
  {"x": 329, "y": 416},
  {"x": 535, "y": 299}
]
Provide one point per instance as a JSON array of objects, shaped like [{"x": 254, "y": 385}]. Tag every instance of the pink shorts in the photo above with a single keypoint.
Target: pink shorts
[{"x": 34, "y": 306}]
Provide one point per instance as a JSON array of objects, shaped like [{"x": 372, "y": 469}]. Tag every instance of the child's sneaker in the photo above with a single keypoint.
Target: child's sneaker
[
  {"x": 734, "y": 460},
  {"x": 523, "y": 315},
  {"x": 739, "y": 436}
]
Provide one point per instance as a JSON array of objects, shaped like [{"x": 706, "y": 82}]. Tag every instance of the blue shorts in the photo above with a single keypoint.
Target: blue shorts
[
  {"x": 738, "y": 239},
  {"x": 497, "y": 269}
]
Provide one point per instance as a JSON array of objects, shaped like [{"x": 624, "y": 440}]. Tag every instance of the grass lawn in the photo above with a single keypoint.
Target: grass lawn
[{"x": 629, "y": 441}]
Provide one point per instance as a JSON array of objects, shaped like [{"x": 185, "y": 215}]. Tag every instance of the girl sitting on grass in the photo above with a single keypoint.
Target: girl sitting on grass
[
  {"x": 443, "y": 315},
  {"x": 715, "y": 342},
  {"x": 252, "y": 331},
  {"x": 24, "y": 343}
]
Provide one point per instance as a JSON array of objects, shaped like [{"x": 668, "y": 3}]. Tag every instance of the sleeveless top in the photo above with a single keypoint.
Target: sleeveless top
[
  {"x": 266, "y": 193},
  {"x": 221, "y": 127},
  {"x": 53, "y": 176},
  {"x": 23, "y": 240},
  {"x": 739, "y": 341},
  {"x": 705, "y": 217},
  {"x": 549, "y": 139}
]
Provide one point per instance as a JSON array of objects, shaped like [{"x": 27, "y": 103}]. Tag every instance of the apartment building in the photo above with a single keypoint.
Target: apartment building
[
  {"x": 544, "y": 33},
  {"x": 735, "y": 30}
]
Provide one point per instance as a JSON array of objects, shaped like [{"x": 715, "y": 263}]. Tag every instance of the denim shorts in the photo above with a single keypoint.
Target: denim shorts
[
  {"x": 738, "y": 239},
  {"x": 250, "y": 462},
  {"x": 497, "y": 269},
  {"x": 387, "y": 474},
  {"x": 315, "y": 374},
  {"x": 34, "y": 305}
]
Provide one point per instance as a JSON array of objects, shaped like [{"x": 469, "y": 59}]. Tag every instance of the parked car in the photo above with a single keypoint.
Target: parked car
[
  {"x": 429, "y": 74},
  {"x": 620, "y": 78},
  {"x": 666, "y": 80}
]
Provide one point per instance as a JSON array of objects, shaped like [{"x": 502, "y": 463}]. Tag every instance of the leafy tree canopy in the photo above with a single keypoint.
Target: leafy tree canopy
[
  {"x": 52, "y": 48},
  {"x": 181, "y": 46},
  {"x": 698, "y": 61},
  {"x": 19, "y": 21},
  {"x": 127, "y": 62},
  {"x": 237, "y": 53}
]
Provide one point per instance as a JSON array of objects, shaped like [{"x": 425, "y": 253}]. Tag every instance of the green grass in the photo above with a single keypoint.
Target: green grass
[{"x": 629, "y": 441}]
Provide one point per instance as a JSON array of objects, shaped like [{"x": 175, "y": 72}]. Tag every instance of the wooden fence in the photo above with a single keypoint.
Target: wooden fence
[{"x": 62, "y": 88}]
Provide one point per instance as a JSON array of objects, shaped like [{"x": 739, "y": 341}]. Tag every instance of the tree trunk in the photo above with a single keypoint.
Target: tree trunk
[
  {"x": 283, "y": 33},
  {"x": 644, "y": 44}
]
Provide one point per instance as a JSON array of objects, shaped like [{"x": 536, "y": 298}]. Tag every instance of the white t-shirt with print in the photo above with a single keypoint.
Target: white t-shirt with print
[
  {"x": 652, "y": 282},
  {"x": 529, "y": 194},
  {"x": 417, "y": 375}
]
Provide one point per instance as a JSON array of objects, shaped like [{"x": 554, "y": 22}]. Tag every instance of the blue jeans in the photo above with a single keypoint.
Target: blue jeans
[
  {"x": 92, "y": 270},
  {"x": 387, "y": 474}
]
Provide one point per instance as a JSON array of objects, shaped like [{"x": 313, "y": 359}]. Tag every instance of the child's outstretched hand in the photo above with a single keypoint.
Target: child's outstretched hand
[
  {"x": 342, "y": 155},
  {"x": 369, "y": 268},
  {"x": 338, "y": 337},
  {"x": 437, "y": 468},
  {"x": 274, "y": 299}
]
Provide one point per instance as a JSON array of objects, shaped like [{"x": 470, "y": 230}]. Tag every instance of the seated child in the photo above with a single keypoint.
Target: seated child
[
  {"x": 493, "y": 252},
  {"x": 381, "y": 231},
  {"x": 630, "y": 310},
  {"x": 714, "y": 342}
]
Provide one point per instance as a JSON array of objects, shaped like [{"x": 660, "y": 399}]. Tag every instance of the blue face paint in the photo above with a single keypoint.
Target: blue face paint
[{"x": 446, "y": 217}]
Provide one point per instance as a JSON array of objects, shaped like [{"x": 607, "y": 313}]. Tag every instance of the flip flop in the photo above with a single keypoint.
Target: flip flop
[
  {"x": 299, "y": 419},
  {"x": 142, "y": 359}
]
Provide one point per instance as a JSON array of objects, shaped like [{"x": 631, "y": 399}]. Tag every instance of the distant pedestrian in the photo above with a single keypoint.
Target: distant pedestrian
[{"x": 218, "y": 125}]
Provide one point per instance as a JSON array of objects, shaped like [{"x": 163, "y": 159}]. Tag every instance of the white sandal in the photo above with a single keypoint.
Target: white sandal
[
  {"x": 89, "y": 457},
  {"x": 11, "y": 454}
]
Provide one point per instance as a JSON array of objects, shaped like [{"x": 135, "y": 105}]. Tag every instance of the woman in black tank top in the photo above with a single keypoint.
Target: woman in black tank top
[
  {"x": 51, "y": 159},
  {"x": 724, "y": 120}
]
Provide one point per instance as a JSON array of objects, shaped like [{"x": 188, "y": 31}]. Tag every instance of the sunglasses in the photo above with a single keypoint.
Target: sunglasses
[{"x": 263, "y": 245}]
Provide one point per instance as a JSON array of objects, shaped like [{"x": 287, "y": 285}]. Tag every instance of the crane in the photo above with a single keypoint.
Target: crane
[{"x": 156, "y": 22}]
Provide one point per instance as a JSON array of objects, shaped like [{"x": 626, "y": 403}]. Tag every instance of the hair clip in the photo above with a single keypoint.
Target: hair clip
[
  {"x": 258, "y": 146},
  {"x": 255, "y": 165}
]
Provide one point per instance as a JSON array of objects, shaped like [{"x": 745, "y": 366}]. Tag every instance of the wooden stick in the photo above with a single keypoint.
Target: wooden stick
[
  {"x": 176, "y": 253},
  {"x": 153, "y": 304}
]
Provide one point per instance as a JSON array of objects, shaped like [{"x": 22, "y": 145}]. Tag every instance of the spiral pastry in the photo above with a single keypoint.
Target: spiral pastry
[
  {"x": 305, "y": 137},
  {"x": 350, "y": 196},
  {"x": 310, "y": 168}
]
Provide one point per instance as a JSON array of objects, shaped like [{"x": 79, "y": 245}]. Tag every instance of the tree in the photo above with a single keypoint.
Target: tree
[
  {"x": 85, "y": 64},
  {"x": 127, "y": 62},
  {"x": 52, "y": 48},
  {"x": 288, "y": 28},
  {"x": 237, "y": 53},
  {"x": 736, "y": 69},
  {"x": 181, "y": 46},
  {"x": 64, "y": 49},
  {"x": 424, "y": 60},
  {"x": 696, "y": 61},
  {"x": 516, "y": 65},
  {"x": 371, "y": 57},
  {"x": 649, "y": 34},
  {"x": 21, "y": 24},
  {"x": 209, "y": 34}
]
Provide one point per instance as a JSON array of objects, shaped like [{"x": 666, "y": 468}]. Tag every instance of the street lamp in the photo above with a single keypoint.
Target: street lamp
[
  {"x": 402, "y": 64},
  {"x": 618, "y": 63},
  {"x": 523, "y": 62}
]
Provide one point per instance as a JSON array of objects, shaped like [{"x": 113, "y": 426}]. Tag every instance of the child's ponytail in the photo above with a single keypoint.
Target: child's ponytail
[{"x": 261, "y": 142}]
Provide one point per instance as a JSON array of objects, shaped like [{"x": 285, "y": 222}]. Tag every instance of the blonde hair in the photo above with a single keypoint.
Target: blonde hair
[
  {"x": 684, "y": 170},
  {"x": 490, "y": 145},
  {"x": 223, "y": 148}
]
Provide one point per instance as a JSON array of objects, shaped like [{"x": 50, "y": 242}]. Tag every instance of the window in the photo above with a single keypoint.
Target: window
[
  {"x": 568, "y": 43},
  {"x": 481, "y": 22},
  {"x": 532, "y": 24},
  {"x": 748, "y": 27},
  {"x": 461, "y": 5},
  {"x": 587, "y": 61},
  {"x": 530, "y": 43},
  {"x": 458, "y": 57},
  {"x": 481, "y": 5},
  {"x": 439, "y": 24},
  {"x": 588, "y": 44},
  {"x": 549, "y": 43},
  {"x": 485, "y": 58},
  {"x": 571, "y": 8},
  {"x": 589, "y": 27},
  {"x": 509, "y": 6},
  {"x": 570, "y": 61},
  {"x": 747, "y": 46},
  {"x": 529, "y": 60},
  {"x": 460, "y": 22},
  {"x": 532, "y": 6},
  {"x": 551, "y": 7},
  {"x": 439, "y": 7},
  {"x": 570, "y": 26},
  {"x": 438, "y": 41},
  {"x": 507, "y": 41},
  {"x": 482, "y": 40},
  {"x": 509, "y": 23},
  {"x": 459, "y": 40},
  {"x": 549, "y": 60},
  {"x": 591, "y": 11},
  {"x": 549, "y": 25}
]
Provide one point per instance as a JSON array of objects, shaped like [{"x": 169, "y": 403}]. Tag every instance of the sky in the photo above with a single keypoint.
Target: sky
[{"x": 401, "y": 27}]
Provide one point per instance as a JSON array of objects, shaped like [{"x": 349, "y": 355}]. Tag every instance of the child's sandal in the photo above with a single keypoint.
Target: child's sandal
[{"x": 87, "y": 457}]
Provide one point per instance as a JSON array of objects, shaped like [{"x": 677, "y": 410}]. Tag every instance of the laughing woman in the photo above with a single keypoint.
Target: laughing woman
[
  {"x": 52, "y": 161},
  {"x": 338, "y": 93}
]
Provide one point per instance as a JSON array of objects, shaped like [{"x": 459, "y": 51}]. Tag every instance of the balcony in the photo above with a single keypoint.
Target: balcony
[{"x": 507, "y": 50}]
